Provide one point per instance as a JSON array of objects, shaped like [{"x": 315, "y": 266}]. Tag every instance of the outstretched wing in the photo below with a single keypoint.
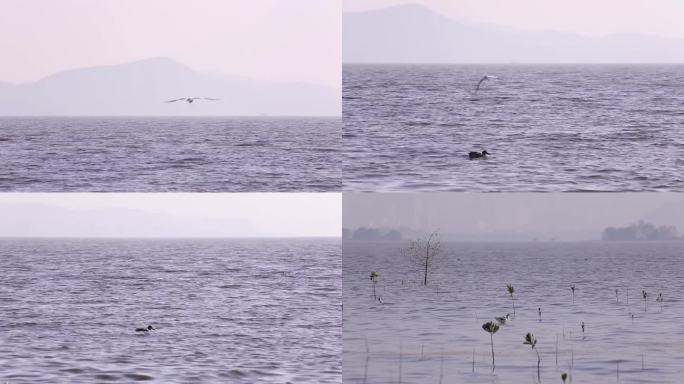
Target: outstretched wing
[
  {"x": 486, "y": 77},
  {"x": 174, "y": 100},
  {"x": 209, "y": 98},
  {"x": 480, "y": 82}
]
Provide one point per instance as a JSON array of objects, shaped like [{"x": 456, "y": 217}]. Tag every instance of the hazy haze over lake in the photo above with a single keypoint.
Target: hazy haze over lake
[
  {"x": 170, "y": 215},
  {"x": 511, "y": 216},
  {"x": 528, "y": 31}
]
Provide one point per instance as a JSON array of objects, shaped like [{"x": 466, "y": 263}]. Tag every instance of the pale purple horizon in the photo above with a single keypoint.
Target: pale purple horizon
[
  {"x": 270, "y": 40},
  {"x": 585, "y": 17}
]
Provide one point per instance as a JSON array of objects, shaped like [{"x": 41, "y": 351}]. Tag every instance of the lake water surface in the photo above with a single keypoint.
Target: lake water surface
[
  {"x": 213, "y": 154},
  {"x": 547, "y": 127},
  {"x": 432, "y": 331},
  {"x": 232, "y": 311}
]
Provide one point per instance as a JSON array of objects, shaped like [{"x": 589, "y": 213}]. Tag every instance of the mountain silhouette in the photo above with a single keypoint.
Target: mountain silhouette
[
  {"x": 415, "y": 34},
  {"x": 141, "y": 87}
]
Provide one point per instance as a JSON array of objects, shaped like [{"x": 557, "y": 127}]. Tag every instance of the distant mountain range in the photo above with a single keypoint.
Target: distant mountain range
[
  {"x": 415, "y": 34},
  {"x": 141, "y": 87}
]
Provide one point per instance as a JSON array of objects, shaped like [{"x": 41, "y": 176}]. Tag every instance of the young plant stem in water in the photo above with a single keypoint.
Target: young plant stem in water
[
  {"x": 441, "y": 366},
  {"x": 572, "y": 287},
  {"x": 374, "y": 279},
  {"x": 473, "y": 360},
  {"x": 400, "y": 359},
  {"x": 557, "y": 351},
  {"x": 511, "y": 290},
  {"x": 365, "y": 369},
  {"x": 491, "y": 327},
  {"x": 531, "y": 340}
]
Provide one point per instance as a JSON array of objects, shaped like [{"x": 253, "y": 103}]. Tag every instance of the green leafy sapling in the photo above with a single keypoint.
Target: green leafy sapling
[
  {"x": 491, "y": 327},
  {"x": 511, "y": 290},
  {"x": 531, "y": 340}
]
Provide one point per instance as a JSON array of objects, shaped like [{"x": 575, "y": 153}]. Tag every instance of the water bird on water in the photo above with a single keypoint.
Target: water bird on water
[
  {"x": 149, "y": 328},
  {"x": 478, "y": 155},
  {"x": 502, "y": 320},
  {"x": 483, "y": 79},
  {"x": 191, "y": 100}
]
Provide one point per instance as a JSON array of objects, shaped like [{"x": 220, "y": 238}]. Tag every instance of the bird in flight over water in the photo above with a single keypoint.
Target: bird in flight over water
[
  {"x": 190, "y": 100},
  {"x": 482, "y": 80}
]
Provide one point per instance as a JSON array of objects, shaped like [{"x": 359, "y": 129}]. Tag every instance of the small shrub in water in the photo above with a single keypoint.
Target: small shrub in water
[
  {"x": 511, "y": 290},
  {"x": 644, "y": 294},
  {"x": 374, "y": 278},
  {"x": 660, "y": 300},
  {"x": 572, "y": 288},
  {"x": 491, "y": 327},
  {"x": 531, "y": 340}
]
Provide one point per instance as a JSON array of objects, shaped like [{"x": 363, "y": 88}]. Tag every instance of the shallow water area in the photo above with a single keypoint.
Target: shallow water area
[{"x": 420, "y": 334}]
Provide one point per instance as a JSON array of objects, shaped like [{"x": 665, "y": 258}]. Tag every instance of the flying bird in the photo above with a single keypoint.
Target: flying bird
[
  {"x": 190, "y": 100},
  {"x": 483, "y": 79}
]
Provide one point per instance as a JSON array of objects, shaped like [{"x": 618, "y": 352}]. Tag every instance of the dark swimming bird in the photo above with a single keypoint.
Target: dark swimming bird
[
  {"x": 149, "y": 328},
  {"x": 477, "y": 155},
  {"x": 190, "y": 100},
  {"x": 482, "y": 80}
]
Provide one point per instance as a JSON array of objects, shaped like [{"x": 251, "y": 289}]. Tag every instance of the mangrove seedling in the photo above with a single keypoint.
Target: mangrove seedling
[
  {"x": 660, "y": 300},
  {"x": 511, "y": 290},
  {"x": 572, "y": 287},
  {"x": 644, "y": 294},
  {"x": 616, "y": 296},
  {"x": 374, "y": 278},
  {"x": 564, "y": 376},
  {"x": 473, "y": 360},
  {"x": 540, "y": 314},
  {"x": 531, "y": 340},
  {"x": 491, "y": 327}
]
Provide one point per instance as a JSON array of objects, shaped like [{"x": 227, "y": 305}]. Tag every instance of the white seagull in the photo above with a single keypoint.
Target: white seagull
[
  {"x": 486, "y": 77},
  {"x": 190, "y": 100}
]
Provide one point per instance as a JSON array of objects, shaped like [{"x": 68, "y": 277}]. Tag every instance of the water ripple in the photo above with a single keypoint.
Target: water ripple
[
  {"x": 409, "y": 127},
  {"x": 169, "y": 154}
]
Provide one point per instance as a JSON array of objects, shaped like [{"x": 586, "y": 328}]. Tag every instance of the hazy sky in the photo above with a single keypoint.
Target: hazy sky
[
  {"x": 581, "y": 215},
  {"x": 170, "y": 215},
  {"x": 280, "y": 40},
  {"x": 590, "y": 17}
]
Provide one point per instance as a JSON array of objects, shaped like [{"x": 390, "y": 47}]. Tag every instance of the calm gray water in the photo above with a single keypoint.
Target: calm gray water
[
  {"x": 548, "y": 127},
  {"x": 468, "y": 288},
  {"x": 169, "y": 154},
  {"x": 237, "y": 311}
]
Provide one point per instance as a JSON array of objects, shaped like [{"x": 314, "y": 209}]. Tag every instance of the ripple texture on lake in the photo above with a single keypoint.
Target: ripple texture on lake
[
  {"x": 414, "y": 324},
  {"x": 170, "y": 154},
  {"x": 548, "y": 128},
  {"x": 248, "y": 311}
]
